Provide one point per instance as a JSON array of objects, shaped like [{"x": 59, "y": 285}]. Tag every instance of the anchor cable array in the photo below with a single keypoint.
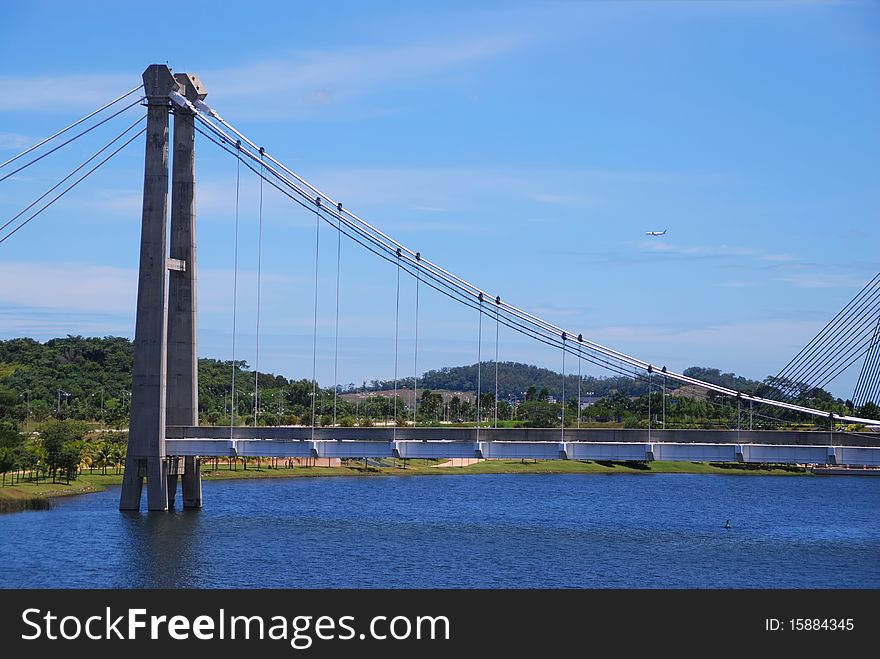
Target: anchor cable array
[
  {"x": 65, "y": 143},
  {"x": 75, "y": 124},
  {"x": 67, "y": 177},
  {"x": 846, "y": 338}
]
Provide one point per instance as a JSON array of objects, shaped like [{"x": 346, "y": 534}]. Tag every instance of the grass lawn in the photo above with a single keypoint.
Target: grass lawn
[{"x": 35, "y": 496}]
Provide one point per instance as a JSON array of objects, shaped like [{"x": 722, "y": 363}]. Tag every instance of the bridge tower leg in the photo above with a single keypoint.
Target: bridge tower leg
[
  {"x": 182, "y": 396},
  {"x": 146, "y": 435}
]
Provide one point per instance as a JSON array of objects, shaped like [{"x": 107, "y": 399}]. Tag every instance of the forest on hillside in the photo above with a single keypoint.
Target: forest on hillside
[
  {"x": 75, "y": 390},
  {"x": 89, "y": 378}
]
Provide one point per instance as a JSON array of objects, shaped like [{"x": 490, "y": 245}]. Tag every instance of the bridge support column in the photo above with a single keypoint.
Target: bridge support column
[
  {"x": 172, "y": 490},
  {"x": 182, "y": 396},
  {"x": 132, "y": 483},
  {"x": 146, "y": 436},
  {"x": 192, "y": 483},
  {"x": 173, "y": 465}
]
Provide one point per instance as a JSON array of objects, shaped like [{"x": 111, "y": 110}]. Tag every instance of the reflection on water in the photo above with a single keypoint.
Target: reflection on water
[
  {"x": 159, "y": 548},
  {"x": 583, "y": 531}
]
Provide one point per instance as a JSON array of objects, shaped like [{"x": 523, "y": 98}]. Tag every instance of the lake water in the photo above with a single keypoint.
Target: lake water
[{"x": 479, "y": 531}]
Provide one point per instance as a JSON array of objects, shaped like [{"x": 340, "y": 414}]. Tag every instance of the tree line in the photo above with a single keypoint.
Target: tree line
[
  {"x": 89, "y": 379},
  {"x": 58, "y": 452}
]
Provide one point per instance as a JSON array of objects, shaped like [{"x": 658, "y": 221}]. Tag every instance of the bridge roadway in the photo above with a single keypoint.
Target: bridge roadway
[{"x": 761, "y": 446}]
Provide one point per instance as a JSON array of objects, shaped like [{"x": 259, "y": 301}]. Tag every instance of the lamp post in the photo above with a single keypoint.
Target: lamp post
[
  {"x": 102, "y": 402},
  {"x": 27, "y": 418},
  {"x": 664, "y": 400},
  {"x": 60, "y": 394}
]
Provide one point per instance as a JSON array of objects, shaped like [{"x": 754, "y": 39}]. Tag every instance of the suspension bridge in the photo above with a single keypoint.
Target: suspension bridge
[{"x": 166, "y": 442}]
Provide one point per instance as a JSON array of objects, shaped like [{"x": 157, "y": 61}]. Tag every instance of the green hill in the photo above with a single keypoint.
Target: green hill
[{"x": 90, "y": 378}]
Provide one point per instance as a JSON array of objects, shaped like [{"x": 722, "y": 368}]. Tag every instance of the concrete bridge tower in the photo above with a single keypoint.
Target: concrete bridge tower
[{"x": 165, "y": 377}]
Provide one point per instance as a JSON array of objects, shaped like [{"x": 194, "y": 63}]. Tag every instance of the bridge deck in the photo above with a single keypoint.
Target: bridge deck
[
  {"x": 784, "y": 447},
  {"x": 387, "y": 434}
]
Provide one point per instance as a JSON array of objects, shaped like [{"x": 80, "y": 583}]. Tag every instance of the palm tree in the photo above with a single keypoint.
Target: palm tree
[
  {"x": 103, "y": 456},
  {"x": 117, "y": 455}
]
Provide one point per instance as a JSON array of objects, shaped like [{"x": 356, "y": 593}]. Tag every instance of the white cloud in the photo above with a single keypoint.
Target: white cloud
[
  {"x": 16, "y": 142},
  {"x": 116, "y": 201},
  {"x": 730, "y": 346},
  {"x": 697, "y": 251},
  {"x": 79, "y": 287},
  {"x": 301, "y": 84},
  {"x": 820, "y": 279},
  {"x": 67, "y": 92},
  {"x": 444, "y": 189},
  {"x": 55, "y": 287},
  {"x": 775, "y": 261},
  {"x": 554, "y": 199},
  {"x": 738, "y": 284},
  {"x": 306, "y": 84}
]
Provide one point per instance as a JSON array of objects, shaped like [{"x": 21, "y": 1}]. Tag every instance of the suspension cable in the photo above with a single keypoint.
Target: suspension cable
[
  {"x": 416, "y": 351},
  {"x": 497, "y": 302},
  {"x": 563, "y": 386},
  {"x": 664, "y": 400},
  {"x": 315, "y": 325},
  {"x": 819, "y": 365},
  {"x": 650, "y": 392},
  {"x": 336, "y": 333},
  {"x": 442, "y": 286},
  {"x": 579, "y": 384},
  {"x": 438, "y": 284},
  {"x": 396, "y": 336},
  {"x": 838, "y": 320},
  {"x": 832, "y": 339},
  {"x": 259, "y": 294},
  {"x": 869, "y": 383},
  {"x": 73, "y": 125},
  {"x": 63, "y": 144},
  {"x": 374, "y": 244},
  {"x": 234, "y": 295},
  {"x": 72, "y": 172},
  {"x": 738, "y": 416},
  {"x": 479, "y": 365},
  {"x": 867, "y": 371},
  {"x": 462, "y": 290}
]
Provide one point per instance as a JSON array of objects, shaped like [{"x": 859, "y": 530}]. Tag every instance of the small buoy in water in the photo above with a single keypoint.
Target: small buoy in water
[{"x": 727, "y": 524}]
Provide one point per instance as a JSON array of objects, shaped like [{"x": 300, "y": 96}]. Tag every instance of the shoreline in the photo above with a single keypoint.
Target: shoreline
[{"x": 25, "y": 496}]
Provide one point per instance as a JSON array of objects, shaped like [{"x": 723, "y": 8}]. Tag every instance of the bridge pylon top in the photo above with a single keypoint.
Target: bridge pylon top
[
  {"x": 190, "y": 87},
  {"x": 159, "y": 81}
]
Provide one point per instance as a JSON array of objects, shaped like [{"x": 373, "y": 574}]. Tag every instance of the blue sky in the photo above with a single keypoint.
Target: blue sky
[{"x": 526, "y": 147}]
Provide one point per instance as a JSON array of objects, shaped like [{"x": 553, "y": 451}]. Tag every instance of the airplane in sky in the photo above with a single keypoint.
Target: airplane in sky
[{"x": 655, "y": 233}]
